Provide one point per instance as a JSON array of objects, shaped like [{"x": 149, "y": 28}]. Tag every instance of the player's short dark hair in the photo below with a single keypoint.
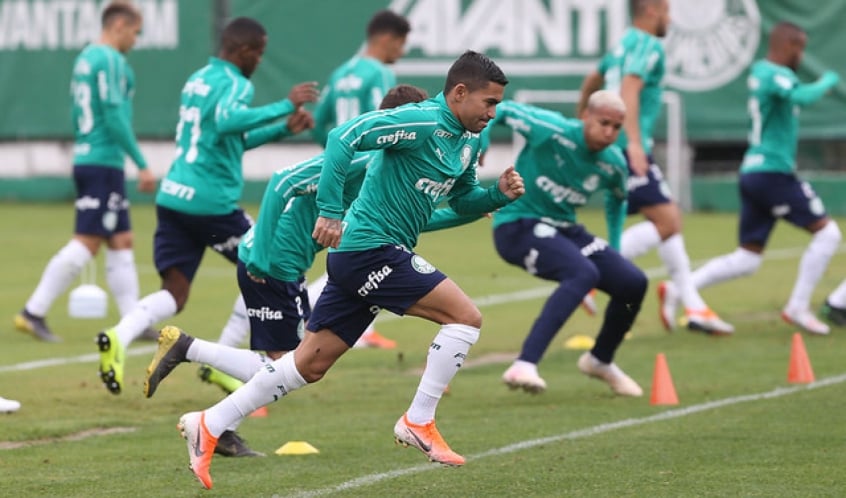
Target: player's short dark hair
[
  {"x": 403, "y": 94},
  {"x": 117, "y": 10},
  {"x": 387, "y": 21},
  {"x": 475, "y": 70},
  {"x": 239, "y": 32}
]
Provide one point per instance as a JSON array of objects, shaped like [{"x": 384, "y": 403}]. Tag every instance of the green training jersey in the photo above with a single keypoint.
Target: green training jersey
[
  {"x": 428, "y": 157},
  {"x": 216, "y": 125},
  {"x": 773, "y": 119},
  {"x": 560, "y": 172},
  {"x": 102, "y": 87},
  {"x": 356, "y": 87},
  {"x": 280, "y": 243},
  {"x": 638, "y": 54}
]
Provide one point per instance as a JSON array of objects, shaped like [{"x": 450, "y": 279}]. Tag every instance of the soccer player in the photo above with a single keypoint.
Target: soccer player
[
  {"x": 356, "y": 87},
  {"x": 635, "y": 69},
  {"x": 431, "y": 149},
  {"x": 769, "y": 187},
  {"x": 102, "y": 87},
  {"x": 9, "y": 405},
  {"x": 563, "y": 163},
  {"x": 197, "y": 203}
]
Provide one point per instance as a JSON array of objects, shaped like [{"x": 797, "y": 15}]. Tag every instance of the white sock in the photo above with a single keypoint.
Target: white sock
[
  {"x": 726, "y": 267},
  {"x": 838, "y": 296},
  {"x": 268, "y": 385},
  {"x": 239, "y": 363},
  {"x": 59, "y": 274},
  {"x": 812, "y": 266},
  {"x": 446, "y": 355},
  {"x": 639, "y": 239},
  {"x": 122, "y": 278},
  {"x": 237, "y": 327},
  {"x": 525, "y": 365},
  {"x": 149, "y": 311},
  {"x": 674, "y": 256},
  {"x": 315, "y": 288}
]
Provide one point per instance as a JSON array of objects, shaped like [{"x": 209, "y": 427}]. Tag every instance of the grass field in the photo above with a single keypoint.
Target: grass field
[{"x": 740, "y": 429}]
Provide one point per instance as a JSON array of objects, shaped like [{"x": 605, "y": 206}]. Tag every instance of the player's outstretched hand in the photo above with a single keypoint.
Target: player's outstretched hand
[
  {"x": 511, "y": 183},
  {"x": 304, "y": 92},
  {"x": 638, "y": 161},
  {"x": 146, "y": 181},
  {"x": 327, "y": 232},
  {"x": 299, "y": 121}
]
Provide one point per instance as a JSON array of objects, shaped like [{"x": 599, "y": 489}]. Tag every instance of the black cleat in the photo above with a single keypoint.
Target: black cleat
[
  {"x": 36, "y": 326},
  {"x": 230, "y": 444},
  {"x": 834, "y": 314},
  {"x": 172, "y": 350}
]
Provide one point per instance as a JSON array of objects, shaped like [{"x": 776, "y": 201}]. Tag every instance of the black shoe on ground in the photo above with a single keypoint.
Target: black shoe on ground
[
  {"x": 35, "y": 325},
  {"x": 834, "y": 314},
  {"x": 230, "y": 444}
]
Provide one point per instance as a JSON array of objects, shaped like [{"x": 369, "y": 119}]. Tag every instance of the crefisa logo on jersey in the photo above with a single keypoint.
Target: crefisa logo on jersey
[
  {"x": 710, "y": 43},
  {"x": 396, "y": 136}
]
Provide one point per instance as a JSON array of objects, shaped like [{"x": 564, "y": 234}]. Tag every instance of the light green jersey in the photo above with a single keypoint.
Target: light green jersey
[
  {"x": 638, "y": 54},
  {"x": 774, "y": 119},
  {"x": 216, "y": 125},
  {"x": 280, "y": 243},
  {"x": 358, "y": 86},
  {"x": 560, "y": 172},
  {"x": 102, "y": 87},
  {"x": 428, "y": 157}
]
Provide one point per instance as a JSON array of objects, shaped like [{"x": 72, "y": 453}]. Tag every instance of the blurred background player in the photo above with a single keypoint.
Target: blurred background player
[
  {"x": 634, "y": 69},
  {"x": 197, "y": 203},
  {"x": 102, "y": 87},
  {"x": 769, "y": 187},
  {"x": 563, "y": 163},
  {"x": 354, "y": 88}
]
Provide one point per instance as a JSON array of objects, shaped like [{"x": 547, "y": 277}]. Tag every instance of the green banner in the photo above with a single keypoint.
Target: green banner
[{"x": 541, "y": 45}]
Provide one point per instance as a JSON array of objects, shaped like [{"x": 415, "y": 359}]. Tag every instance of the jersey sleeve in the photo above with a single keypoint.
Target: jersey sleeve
[
  {"x": 536, "y": 125},
  {"x": 615, "y": 201},
  {"x": 283, "y": 186},
  {"x": 401, "y": 129},
  {"x": 641, "y": 60},
  {"x": 233, "y": 114},
  {"x": 443, "y": 218},
  {"x": 469, "y": 197},
  {"x": 324, "y": 115},
  {"x": 111, "y": 73}
]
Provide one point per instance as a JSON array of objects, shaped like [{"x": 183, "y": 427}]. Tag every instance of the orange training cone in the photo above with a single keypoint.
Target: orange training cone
[
  {"x": 799, "y": 371},
  {"x": 663, "y": 391}
]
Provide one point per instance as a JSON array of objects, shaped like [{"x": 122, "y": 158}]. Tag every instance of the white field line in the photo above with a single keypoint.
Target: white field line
[
  {"x": 482, "y": 302},
  {"x": 370, "y": 479}
]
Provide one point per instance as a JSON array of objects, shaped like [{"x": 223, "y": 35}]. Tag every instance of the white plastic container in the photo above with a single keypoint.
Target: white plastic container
[{"x": 88, "y": 300}]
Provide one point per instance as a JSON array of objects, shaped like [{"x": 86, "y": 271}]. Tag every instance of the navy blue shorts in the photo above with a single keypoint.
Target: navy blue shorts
[
  {"x": 181, "y": 239},
  {"x": 766, "y": 197},
  {"x": 363, "y": 282},
  {"x": 277, "y": 311},
  {"x": 649, "y": 190},
  {"x": 102, "y": 208},
  {"x": 567, "y": 254}
]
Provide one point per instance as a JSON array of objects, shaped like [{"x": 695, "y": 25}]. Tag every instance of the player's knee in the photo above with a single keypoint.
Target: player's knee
[
  {"x": 746, "y": 262},
  {"x": 828, "y": 236},
  {"x": 584, "y": 278},
  {"x": 470, "y": 316},
  {"x": 460, "y": 332}
]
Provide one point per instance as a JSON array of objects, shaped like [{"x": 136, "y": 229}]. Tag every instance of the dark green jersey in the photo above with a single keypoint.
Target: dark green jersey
[
  {"x": 560, "y": 172},
  {"x": 639, "y": 54},
  {"x": 102, "y": 87},
  {"x": 428, "y": 157},
  {"x": 358, "y": 86},
  {"x": 216, "y": 125}
]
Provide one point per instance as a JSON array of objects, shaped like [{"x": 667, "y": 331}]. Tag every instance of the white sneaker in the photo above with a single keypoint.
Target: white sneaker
[
  {"x": 519, "y": 377},
  {"x": 806, "y": 320},
  {"x": 620, "y": 383},
  {"x": 668, "y": 298},
  {"x": 707, "y": 321},
  {"x": 9, "y": 405}
]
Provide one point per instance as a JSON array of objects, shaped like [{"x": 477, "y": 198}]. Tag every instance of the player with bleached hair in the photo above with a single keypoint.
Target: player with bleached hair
[{"x": 564, "y": 162}]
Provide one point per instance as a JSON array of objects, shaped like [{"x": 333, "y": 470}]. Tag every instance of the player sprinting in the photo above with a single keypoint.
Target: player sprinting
[
  {"x": 634, "y": 69},
  {"x": 769, "y": 187},
  {"x": 102, "y": 87},
  {"x": 356, "y": 87},
  {"x": 431, "y": 149},
  {"x": 563, "y": 163},
  {"x": 197, "y": 202}
]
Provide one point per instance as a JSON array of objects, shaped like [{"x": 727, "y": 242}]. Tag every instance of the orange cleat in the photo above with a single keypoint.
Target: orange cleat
[
  {"x": 201, "y": 445},
  {"x": 427, "y": 439}
]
